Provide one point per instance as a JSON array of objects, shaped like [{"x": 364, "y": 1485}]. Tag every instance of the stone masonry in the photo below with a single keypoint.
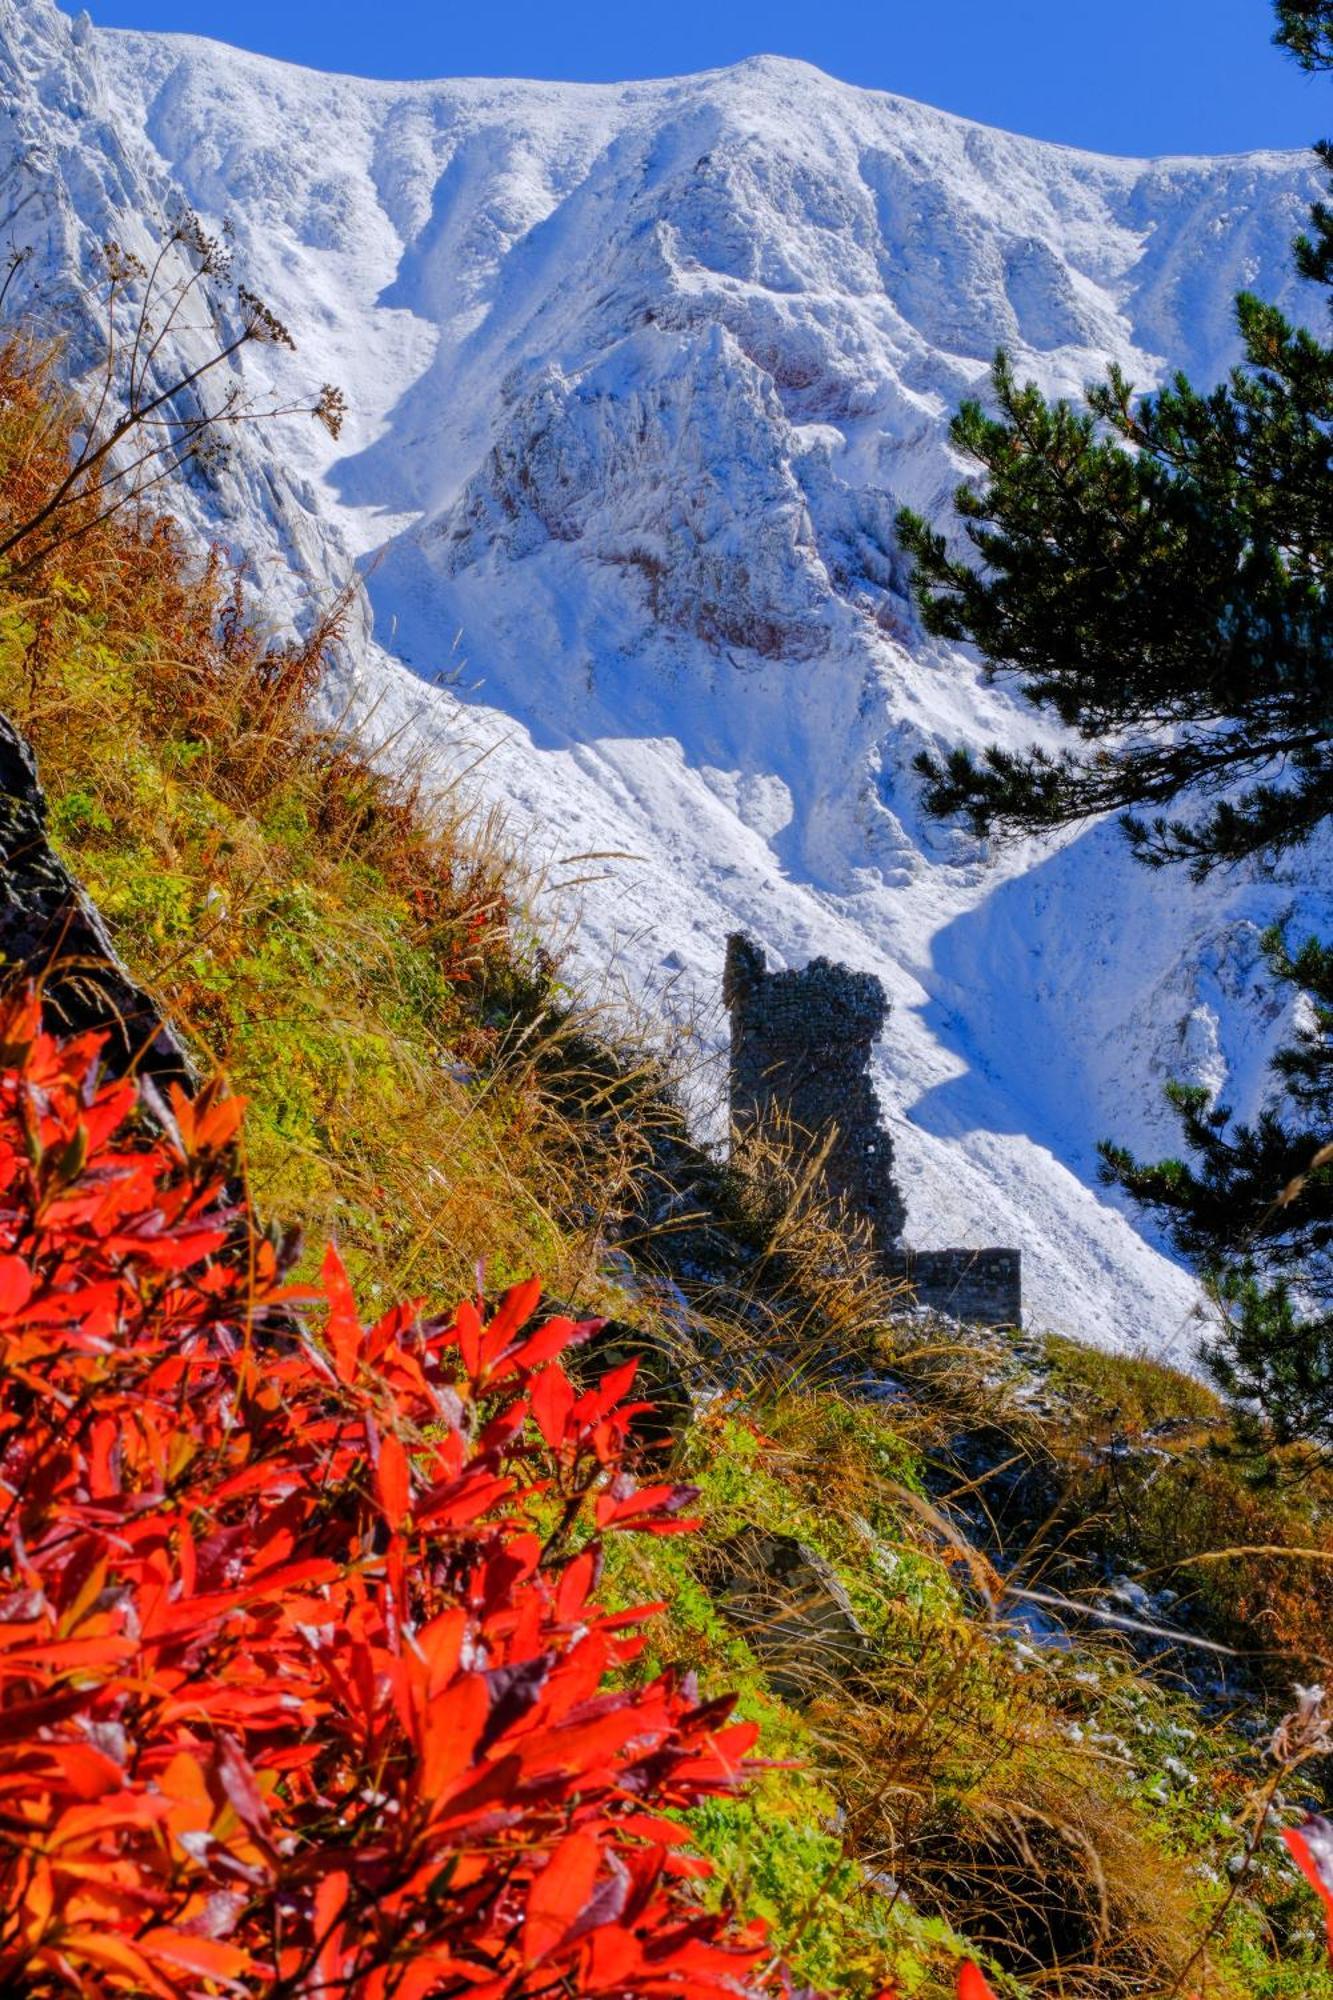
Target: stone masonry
[
  {"x": 800, "y": 1062},
  {"x": 800, "y": 1056}
]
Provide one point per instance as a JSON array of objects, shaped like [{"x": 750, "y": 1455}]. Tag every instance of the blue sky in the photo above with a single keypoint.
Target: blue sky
[{"x": 1139, "y": 76}]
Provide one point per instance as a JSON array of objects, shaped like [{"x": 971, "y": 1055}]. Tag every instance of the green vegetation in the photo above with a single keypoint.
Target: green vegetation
[
  {"x": 1157, "y": 572},
  {"x": 357, "y": 960},
  {"x": 1156, "y": 1479},
  {"x": 1306, "y": 28}
]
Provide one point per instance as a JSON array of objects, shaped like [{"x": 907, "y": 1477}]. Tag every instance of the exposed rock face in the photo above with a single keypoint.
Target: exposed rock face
[
  {"x": 623, "y": 471},
  {"x": 50, "y": 932},
  {"x": 794, "y": 1613},
  {"x": 800, "y": 1057},
  {"x": 800, "y": 1065}
]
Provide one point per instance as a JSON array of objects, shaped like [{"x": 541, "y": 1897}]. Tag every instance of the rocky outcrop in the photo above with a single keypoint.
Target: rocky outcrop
[
  {"x": 794, "y": 1613},
  {"x": 50, "y": 933}
]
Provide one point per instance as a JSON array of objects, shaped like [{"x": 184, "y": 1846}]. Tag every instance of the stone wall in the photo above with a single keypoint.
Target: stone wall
[
  {"x": 800, "y": 1066},
  {"x": 800, "y": 1063},
  {"x": 985, "y": 1286}
]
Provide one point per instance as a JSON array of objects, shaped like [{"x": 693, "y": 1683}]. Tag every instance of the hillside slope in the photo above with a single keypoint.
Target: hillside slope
[{"x": 638, "y": 376}]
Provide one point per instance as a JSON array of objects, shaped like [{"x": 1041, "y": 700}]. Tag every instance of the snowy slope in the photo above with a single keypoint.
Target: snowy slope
[{"x": 639, "y": 375}]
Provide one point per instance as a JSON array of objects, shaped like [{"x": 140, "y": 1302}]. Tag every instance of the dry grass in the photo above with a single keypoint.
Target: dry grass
[
  {"x": 1153, "y": 1474},
  {"x": 354, "y": 955},
  {"x": 807, "y": 1300},
  {"x": 969, "y": 1774},
  {"x": 346, "y": 949}
]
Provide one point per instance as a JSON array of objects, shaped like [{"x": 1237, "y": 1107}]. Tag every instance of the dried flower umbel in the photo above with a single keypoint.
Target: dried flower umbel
[
  {"x": 153, "y": 410},
  {"x": 1307, "y": 1731}
]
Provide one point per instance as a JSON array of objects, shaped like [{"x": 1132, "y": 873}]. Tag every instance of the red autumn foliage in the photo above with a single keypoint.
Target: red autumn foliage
[
  {"x": 971, "y": 1984},
  {"x": 304, "y": 1684},
  {"x": 1311, "y": 1846}
]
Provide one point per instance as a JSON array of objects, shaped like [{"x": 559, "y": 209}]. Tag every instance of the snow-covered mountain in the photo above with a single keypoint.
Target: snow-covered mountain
[{"x": 638, "y": 377}]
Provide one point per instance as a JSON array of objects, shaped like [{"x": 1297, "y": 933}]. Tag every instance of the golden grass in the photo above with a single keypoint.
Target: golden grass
[
  {"x": 347, "y": 950},
  {"x": 355, "y": 955}
]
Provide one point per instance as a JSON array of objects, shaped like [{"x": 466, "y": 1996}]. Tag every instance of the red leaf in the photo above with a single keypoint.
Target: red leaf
[
  {"x": 1311, "y": 1846},
  {"x": 660, "y": 1503},
  {"x": 511, "y": 1315},
  {"x": 117, "y": 1954},
  {"x": 208, "y": 1956},
  {"x": 343, "y": 1331},
  {"x": 559, "y": 1895},
  {"x": 596, "y": 1403},
  {"x": 971, "y": 1985},
  {"x": 575, "y": 1584},
  {"x": 551, "y": 1399},
  {"x": 88, "y": 1773},
  {"x": 467, "y": 1323},
  {"x": 451, "y": 1729},
  {"x": 393, "y": 1481},
  {"x": 544, "y": 1345},
  {"x": 238, "y": 1781},
  {"x": 330, "y": 1900},
  {"x": 15, "y": 1285}
]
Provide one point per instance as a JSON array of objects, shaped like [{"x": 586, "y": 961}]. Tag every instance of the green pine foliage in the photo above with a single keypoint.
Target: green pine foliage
[
  {"x": 1157, "y": 572},
  {"x": 1253, "y": 1206},
  {"x": 1306, "y": 28}
]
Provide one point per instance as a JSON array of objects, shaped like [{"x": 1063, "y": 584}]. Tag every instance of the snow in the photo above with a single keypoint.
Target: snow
[{"x": 638, "y": 378}]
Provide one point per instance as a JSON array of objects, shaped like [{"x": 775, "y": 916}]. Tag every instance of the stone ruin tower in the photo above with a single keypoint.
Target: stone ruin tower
[
  {"x": 800, "y": 1056},
  {"x": 800, "y": 1059}
]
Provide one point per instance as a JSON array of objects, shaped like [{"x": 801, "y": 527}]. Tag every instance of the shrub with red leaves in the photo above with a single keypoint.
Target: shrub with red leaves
[{"x": 304, "y": 1687}]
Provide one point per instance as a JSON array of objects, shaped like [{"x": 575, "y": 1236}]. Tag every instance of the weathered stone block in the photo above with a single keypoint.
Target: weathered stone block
[{"x": 984, "y": 1286}]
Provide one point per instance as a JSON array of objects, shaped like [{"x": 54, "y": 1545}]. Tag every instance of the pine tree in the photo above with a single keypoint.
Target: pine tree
[
  {"x": 1157, "y": 571},
  {"x": 1306, "y": 28},
  {"x": 1253, "y": 1208}
]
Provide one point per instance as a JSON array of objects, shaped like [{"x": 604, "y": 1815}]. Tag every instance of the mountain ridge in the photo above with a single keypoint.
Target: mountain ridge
[
  {"x": 639, "y": 376},
  {"x": 762, "y": 61}
]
